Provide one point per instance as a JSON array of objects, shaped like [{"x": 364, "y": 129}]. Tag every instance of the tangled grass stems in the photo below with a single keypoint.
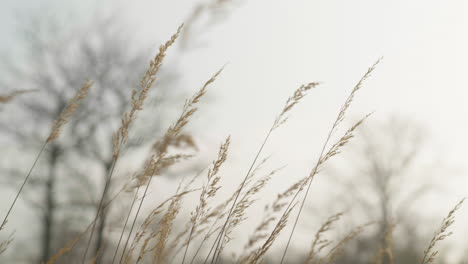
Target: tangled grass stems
[
  {"x": 121, "y": 136},
  {"x": 242, "y": 206},
  {"x": 171, "y": 212},
  {"x": 280, "y": 225},
  {"x": 209, "y": 190},
  {"x": 149, "y": 167},
  {"x": 332, "y": 151},
  {"x": 146, "y": 224},
  {"x": 279, "y": 120},
  {"x": 164, "y": 230},
  {"x": 319, "y": 243},
  {"x": 72, "y": 243},
  {"x": 338, "y": 249},
  {"x": 219, "y": 213},
  {"x": 160, "y": 148},
  {"x": 57, "y": 126},
  {"x": 245, "y": 202},
  {"x": 125, "y": 224}
]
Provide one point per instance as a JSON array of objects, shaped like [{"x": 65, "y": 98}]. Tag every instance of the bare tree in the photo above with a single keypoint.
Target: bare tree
[
  {"x": 57, "y": 60},
  {"x": 379, "y": 180}
]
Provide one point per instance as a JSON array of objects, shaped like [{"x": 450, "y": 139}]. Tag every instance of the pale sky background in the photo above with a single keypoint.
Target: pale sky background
[{"x": 272, "y": 47}]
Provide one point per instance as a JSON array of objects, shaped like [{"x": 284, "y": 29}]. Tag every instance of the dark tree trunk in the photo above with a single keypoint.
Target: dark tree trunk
[{"x": 50, "y": 205}]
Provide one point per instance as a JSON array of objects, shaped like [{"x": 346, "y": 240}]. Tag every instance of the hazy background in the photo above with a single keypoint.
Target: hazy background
[{"x": 271, "y": 47}]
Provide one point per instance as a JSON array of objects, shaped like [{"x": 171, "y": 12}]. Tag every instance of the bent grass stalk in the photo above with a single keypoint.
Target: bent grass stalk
[
  {"x": 57, "y": 126},
  {"x": 160, "y": 148},
  {"x": 279, "y": 120},
  {"x": 121, "y": 136},
  {"x": 125, "y": 224},
  {"x": 6, "y": 98},
  {"x": 333, "y": 150}
]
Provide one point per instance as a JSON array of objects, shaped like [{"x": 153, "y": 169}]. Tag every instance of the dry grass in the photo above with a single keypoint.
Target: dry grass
[
  {"x": 319, "y": 242},
  {"x": 6, "y": 98},
  {"x": 208, "y": 191},
  {"x": 157, "y": 240},
  {"x": 121, "y": 136},
  {"x": 66, "y": 114},
  {"x": 430, "y": 253}
]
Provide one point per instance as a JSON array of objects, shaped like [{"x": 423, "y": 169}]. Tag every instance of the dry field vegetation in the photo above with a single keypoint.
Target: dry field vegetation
[{"x": 207, "y": 233}]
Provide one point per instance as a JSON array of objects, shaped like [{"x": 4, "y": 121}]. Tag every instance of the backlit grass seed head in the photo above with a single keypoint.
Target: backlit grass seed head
[
  {"x": 344, "y": 140},
  {"x": 357, "y": 87},
  {"x": 139, "y": 96},
  {"x": 210, "y": 189},
  {"x": 160, "y": 147},
  {"x": 292, "y": 101},
  {"x": 247, "y": 200},
  {"x": 173, "y": 136},
  {"x": 68, "y": 111},
  {"x": 213, "y": 177}
]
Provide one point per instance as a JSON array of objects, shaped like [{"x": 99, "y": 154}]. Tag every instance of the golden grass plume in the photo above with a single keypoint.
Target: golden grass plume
[{"x": 68, "y": 111}]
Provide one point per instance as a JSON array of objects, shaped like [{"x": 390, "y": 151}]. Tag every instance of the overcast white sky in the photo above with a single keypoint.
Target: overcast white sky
[{"x": 274, "y": 46}]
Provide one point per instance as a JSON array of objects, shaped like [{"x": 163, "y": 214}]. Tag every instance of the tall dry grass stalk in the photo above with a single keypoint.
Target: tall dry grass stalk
[
  {"x": 57, "y": 126},
  {"x": 137, "y": 103},
  {"x": 430, "y": 253},
  {"x": 332, "y": 151},
  {"x": 280, "y": 119},
  {"x": 160, "y": 148},
  {"x": 216, "y": 214},
  {"x": 209, "y": 190},
  {"x": 139, "y": 96},
  {"x": 155, "y": 240}
]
